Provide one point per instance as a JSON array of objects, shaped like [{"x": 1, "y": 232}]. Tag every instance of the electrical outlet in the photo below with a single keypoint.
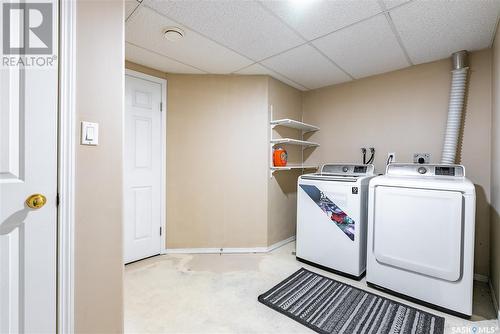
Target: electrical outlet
[
  {"x": 391, "y": 157},
  {"x": 421, "y": 158}
]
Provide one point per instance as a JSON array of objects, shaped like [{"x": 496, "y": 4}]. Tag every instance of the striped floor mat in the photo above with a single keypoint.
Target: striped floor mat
[{"x": 329, "y": 306}]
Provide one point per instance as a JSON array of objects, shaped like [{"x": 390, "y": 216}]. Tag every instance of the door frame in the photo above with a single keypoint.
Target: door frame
[
  {"x": 66, "y": 167},
  {"x": 163, "y": 120}
]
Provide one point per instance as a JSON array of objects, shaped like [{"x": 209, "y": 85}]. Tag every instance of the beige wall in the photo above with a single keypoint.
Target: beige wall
[
  {"x": 98, "y": 235},
  {"x": 286, "y": 102},
  {"x": 495, "y": 176},
  {"x": 405, "y": 112},
  {"x": 216, "y": 161},
  {"x": 223, "y": 205}
]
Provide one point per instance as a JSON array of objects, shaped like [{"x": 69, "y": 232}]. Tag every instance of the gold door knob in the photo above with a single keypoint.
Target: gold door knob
[{"x": 36, "y": 201}]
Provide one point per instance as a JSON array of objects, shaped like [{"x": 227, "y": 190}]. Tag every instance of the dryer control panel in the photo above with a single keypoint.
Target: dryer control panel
[{"x": 426, "y": 170}]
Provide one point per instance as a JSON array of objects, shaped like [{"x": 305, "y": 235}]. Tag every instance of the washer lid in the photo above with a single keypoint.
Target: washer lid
[{"x": 330, "y": 177}]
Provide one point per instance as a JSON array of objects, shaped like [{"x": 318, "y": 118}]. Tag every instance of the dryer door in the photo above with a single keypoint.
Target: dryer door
[{"x": 419, "y": 230}]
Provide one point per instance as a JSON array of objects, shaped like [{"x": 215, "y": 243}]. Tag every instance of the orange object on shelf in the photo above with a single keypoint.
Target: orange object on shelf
[{"x": 280, "y": 157}]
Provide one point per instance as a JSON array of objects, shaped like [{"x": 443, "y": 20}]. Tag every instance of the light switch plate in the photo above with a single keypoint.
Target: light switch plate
[{"x": 89, "y": 133}]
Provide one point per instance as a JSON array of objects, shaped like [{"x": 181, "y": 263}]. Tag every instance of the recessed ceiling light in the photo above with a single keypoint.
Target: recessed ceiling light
[
  {"x": 301, "y": 4},
  {"x": 173, "y": 34}
]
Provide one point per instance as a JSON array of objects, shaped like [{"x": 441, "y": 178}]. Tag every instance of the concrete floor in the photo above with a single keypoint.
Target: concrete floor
[{"x": 212, "y": 293}]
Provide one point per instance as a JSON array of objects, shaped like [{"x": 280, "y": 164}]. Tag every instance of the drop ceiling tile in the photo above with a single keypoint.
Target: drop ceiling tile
[
  {"x": 130, "y": 6},
  {"x": 153, "y": 60},
  {"x": 243, "y": 26},
  {"x": 306, "y": 66},
  {"x": 364, "y": 49},
  {"x": 432, "y": 30},
  {"x": 393, "y": 3},
  {"x": 145, "y": 29},
  {"x": 257, "y": 69},
  {"x": 315, "y": 18}
]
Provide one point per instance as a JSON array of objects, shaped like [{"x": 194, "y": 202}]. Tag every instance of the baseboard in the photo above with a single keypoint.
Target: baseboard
[
  {"x": 280, "y": 243},
  {"x": 495, "y": 301},
  {"x": 235, "y": 250},
  {"x": 481, "y": 278},
  {"x": 215, "y": 250}
]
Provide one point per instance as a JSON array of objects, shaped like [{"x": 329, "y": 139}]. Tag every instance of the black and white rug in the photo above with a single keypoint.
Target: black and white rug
[{"x": 328, "y": 306}]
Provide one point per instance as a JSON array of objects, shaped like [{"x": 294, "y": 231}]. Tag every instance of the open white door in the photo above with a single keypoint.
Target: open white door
[
  {"x": 28, "y": 166},
  {"x": 143, "y": 164}
]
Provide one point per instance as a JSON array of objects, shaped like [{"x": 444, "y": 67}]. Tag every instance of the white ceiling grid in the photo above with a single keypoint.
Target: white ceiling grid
[{"x": 305, "y": 43}]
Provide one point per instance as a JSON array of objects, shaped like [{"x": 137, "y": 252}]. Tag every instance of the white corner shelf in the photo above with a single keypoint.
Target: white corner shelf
[
  {"x": 290, "y": 123},
  {"x": 291, "y": 141},
  {"x": 304, "y": 144},
  {"x": 290, "y": 167}
]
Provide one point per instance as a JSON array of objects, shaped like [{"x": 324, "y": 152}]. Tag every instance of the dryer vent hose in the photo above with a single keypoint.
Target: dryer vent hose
[{"x": 456, "y": 107}]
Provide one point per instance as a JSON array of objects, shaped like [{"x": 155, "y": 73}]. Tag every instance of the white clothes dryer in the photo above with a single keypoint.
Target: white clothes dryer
[{"x": 421, "y": 235}]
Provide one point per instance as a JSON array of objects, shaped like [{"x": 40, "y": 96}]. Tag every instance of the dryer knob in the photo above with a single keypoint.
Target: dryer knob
[
  {"x": 422, "y": 170},
  {"x": 345, "y": 169}
]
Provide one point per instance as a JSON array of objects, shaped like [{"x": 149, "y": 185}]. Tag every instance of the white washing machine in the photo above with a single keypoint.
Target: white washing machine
[
  {"x": 421, "y": 235},
  {"x": 331, "y": 218}
]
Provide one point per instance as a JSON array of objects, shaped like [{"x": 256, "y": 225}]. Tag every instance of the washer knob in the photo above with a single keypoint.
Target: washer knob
[
  {"x": 422, "y": 170},
  {"x": 345, "y": 169}
]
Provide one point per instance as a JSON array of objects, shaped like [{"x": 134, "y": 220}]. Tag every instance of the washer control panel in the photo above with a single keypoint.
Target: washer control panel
[
  {"x": 426, "y": 170},
  {"x": 348, "y": 169}
]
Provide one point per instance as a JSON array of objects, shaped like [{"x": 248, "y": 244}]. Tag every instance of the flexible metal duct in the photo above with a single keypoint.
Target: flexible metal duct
[{"x": 456, "y": 106}]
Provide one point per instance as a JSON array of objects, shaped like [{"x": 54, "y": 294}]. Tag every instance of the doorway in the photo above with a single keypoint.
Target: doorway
[{"x": 144, "y": 148}]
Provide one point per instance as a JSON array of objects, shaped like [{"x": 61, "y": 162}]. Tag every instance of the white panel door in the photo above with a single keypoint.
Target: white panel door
[
  {"x": 142, "y": 169},
  {"x": 28, "y": 165},
  {"x": 419, "y": 230}
]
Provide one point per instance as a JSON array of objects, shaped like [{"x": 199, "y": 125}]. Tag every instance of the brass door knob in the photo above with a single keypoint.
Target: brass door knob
[{"x": 36, "y": 201}]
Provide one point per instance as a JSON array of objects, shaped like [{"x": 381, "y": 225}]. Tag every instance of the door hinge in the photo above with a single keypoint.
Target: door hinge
[
  {"x": 160, "y": 230},
  {"x": 161, "y": 106},
  {"x": 58, "y": 199}
]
